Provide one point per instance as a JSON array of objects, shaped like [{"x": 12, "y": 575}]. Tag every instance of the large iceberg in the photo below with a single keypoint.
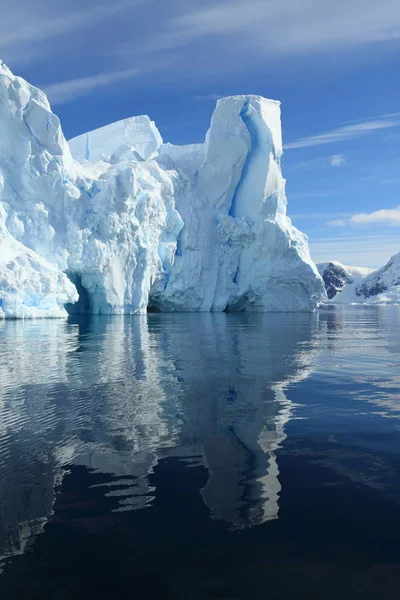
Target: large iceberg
[{"x": 128, "y": 223}]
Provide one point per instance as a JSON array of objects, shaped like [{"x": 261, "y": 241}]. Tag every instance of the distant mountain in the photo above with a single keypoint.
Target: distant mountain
[
  {"x": 382, "y": 283},
  {"x": 357, "y": 285},
  {"x": 337, "y": 277}
]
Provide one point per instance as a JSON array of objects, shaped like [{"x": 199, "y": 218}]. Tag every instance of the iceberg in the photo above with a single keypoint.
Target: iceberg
[
  {"x": 138, "y": 135},
  {"x": 31, "y": 287},
  {"x": 118, "y": 222}
]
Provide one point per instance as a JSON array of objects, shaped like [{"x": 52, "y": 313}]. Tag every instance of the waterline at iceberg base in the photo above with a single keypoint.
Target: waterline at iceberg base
[{"x": 118, "y": 222}]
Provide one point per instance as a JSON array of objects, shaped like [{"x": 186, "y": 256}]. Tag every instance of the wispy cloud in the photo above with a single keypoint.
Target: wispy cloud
[
  {"x": 347, "y": 132},
  {"x": 336, "y": 223},
  {"x": 58, "y": 25},
  {"x": 292, "y": 26},
  {"x": 208, "y": 98},
  {"x": 61, "y": 92},
  {"x": 212, "y": 38},
  {"x": 364, "y": 251},
  {"x": 221, "y": 38},
  {"x": 337, "y": 160},
  {"x": 385, "y": 216},
  {"x": 395, "y": 181},
  {"x": 307, "y": 195},
  {"x": 319, "y": 162},
  {"x": 321, "y": 215}
]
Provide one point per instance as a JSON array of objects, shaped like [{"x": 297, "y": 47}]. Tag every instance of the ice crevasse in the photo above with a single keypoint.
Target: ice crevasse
[{"x": 118, "y": 222}]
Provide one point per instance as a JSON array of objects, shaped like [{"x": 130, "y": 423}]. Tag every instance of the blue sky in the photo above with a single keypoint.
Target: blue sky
[{"x": 333, "y": 64}]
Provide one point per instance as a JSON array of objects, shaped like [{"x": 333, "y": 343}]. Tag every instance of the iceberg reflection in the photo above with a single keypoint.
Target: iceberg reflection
[{"x": 118, "y": 394}]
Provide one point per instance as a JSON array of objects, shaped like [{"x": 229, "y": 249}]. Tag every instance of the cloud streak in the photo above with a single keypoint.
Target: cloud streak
[
  {"x": 347, "y": 132},
  {"x": 291, "y": 26},
  {"x": 319, "y": 215},
  {"x": 364, "y": 251},
  {"x": 208, "y": 98},
  {"x": 47, "y": 27},
  {"x": 210, "y": 40},
  {"x": 64, "y": 91},
  {"x": 318, "y": 163}
]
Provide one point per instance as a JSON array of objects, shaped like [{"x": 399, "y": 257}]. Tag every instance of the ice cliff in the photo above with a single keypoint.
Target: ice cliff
[{"x": 118, "y": 222}]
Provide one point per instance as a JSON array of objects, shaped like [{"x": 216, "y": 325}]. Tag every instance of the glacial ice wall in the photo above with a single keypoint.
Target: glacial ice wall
[
  {"x": 127, "y": 222},
  {"x": 238, "y": 250},
  {"x": 34, "y": 159}
]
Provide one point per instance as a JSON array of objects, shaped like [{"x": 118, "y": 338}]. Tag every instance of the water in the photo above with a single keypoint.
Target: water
[{"x": 201, "y": 456}]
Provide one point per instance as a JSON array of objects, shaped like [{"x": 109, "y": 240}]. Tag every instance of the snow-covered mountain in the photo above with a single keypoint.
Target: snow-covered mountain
[
  {"x": 130, "y": 222},
  {"x": 341, "y": 279},
  {"x": 382, "y": 285},
  {"x": 357, "y": 285}
]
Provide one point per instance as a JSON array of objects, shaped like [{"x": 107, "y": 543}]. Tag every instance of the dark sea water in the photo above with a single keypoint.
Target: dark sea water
[{"x": 201, "y": 456}]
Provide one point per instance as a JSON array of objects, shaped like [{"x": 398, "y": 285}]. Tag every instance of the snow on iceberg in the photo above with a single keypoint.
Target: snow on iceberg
[
  {"x": 138, "y": 135},
  {"x": 134, "y": 223},
  {"x": 29, "y": 285}
]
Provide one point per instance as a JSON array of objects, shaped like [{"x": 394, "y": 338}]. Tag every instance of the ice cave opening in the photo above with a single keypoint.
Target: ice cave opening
[
  {"x": 83, "y": 305},
  {"x": 153, "y": 308}
]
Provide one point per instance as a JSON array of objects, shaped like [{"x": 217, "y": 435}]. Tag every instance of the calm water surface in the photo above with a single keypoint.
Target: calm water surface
[{"x": 202, "y": 456}]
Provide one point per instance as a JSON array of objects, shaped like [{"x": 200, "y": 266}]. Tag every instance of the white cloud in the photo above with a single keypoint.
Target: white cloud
[
  {"x": 337, "y": 160},
  {"x": 390, "y": 216},
  {"x": 347, "y": 132},
  {"x": 385, "y": 216}
]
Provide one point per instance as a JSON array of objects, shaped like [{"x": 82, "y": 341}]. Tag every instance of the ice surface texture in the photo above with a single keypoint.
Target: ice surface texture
[{"x": 132, "y": 223}]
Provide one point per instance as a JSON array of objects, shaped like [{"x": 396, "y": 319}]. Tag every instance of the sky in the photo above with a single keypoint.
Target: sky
[{"x": 333, "y": 64}]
